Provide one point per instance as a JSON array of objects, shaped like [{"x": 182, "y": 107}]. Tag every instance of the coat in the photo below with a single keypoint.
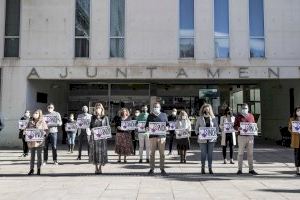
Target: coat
[
  {"x": 295, "y": 140},
  {"x": 201, "y": 123},
  {"x": 223, "y": 120},
  {"x": 43, "y": 126}
]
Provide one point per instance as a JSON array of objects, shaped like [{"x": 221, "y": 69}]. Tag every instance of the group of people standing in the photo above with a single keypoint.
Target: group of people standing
[{"x": 124, "y": 145}]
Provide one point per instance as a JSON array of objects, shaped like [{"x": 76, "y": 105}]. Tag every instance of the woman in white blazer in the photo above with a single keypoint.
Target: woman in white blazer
[
  {"x": 206, "y": 119},
  {"x": 227, "y": 138}
]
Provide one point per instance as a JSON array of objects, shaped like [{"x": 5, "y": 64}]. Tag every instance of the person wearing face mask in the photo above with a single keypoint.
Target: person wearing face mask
[
  {"x": 84, "y": 135},
  {"x": 183, "y": 144},
  {"x": 172, "y": 118},
  {"x": 22, "y": 136},
  {"x": 71, "y": 134},
  {"x": 295, "y": 140},
  {"x": 143, "y": 136},
  {"x": 245, "y": 141},
  {"x": 134, "y": 133},
  {"x": 157, "y": 141},
  {"x": 52, "y": 136},
  {"x": 206, "y": 119},
  {"x": 98, "y": 152},
  {"x": 124, "y": 145},
  {"x": 38, "y": 122},
  {"x": 227, "y": 137}
]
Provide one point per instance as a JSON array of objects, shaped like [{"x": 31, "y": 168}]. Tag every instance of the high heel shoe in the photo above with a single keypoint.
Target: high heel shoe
[{"x": 30, "y": 172}]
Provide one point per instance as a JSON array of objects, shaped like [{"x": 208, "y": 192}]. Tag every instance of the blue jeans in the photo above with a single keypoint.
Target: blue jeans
[
  {"x": 71, "y": 137},
  {"x": 207, "y": 151},
  {"x": 51, "y": 138}
]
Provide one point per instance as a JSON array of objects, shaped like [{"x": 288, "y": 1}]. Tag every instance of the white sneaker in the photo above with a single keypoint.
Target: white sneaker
[
  {"x": 44, "y": 163},
  {"x": 55, "y": 163}
]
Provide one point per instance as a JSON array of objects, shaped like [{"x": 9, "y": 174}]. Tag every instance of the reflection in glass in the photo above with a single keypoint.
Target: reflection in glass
[
  {"x": 222, "y": 47},
  {"x": 117, "y": 47},
  {"x": 186, "y": 32},
  {"x": 257, "y": 48},
  {"x": 186, "y": 48},
  {"x": 82, "y": 22}
]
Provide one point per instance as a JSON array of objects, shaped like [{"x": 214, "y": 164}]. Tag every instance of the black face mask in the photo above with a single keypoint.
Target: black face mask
[
  {"x": 205, "y": 112},
  {"x": 229, "y": 113}
]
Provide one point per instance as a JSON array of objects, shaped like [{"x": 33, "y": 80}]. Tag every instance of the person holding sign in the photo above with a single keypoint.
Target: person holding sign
[
  {"x": 124, "y": 146},
  {"x": 206, "y": 122},
  {"x": 134, "y": 133},
  {"x": 53, "y": 120},
  {"x": 157, "y": 140},
  {"x": 228, "y": 133},
  {"x": 143, "y": 135},
  {"x": 22, "y": 125},
  {"x": 245, "y": 141},
  {"x": 71, "y": 130},
  {"x": 98, "y": 151},
  {"x": 84, "y": 132},
  {"x": 183, "y": 129},
  {"x": 294, "y": 129},
  {"x": 36, "y": 122},
  {"x": 172, "y": 121}
]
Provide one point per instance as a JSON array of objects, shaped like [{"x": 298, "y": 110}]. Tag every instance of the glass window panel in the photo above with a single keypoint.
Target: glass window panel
[
  {"x": 187, "y": 48},
  {"x": 257, "y": 108},
  {"x": 256, "y": 18},
  {"x": 221, "y": 18},
  {"x": 117, "y": 18},
  {"x": 257, "y": 48},
  {"x": 81, "y": 47},
  {"x": 222, "y": 47},
  {"x": 117, "y": 47},
  {"x": 82, "y": 22},
  {"x": 257, "y": 95},
  {"x": 12, "y": 18},
  {"x": 187, "y": 18},
  {"x": 11, "y": 47}
]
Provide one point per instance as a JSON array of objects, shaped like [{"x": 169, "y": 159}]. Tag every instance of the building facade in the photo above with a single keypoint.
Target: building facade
[{"x": 133, "y": 52}]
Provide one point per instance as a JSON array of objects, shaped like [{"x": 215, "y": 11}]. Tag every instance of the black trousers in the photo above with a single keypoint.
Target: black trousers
[
  {"x": 172, "y": 135},
  {"x": 25, "y": 147},
  {"x": 297, "y": 157},
  {"x": 228, "y": 139}
]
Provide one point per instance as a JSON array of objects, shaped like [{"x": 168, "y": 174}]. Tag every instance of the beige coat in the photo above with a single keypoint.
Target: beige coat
[
  {"x": 295, "y": 140},
  {"x": 43, "y": 126},
  {"x": 223, "y": 120}
]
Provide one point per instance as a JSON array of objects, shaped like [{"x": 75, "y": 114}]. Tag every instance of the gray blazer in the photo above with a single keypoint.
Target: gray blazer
[{"x": 201, "y": 123}]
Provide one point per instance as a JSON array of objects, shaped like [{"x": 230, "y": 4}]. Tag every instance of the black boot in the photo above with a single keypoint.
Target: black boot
[
  {"x": 202, "y": 170},
  {"x": 30, "y": 172},
  {"x": 38, "y": 172}
]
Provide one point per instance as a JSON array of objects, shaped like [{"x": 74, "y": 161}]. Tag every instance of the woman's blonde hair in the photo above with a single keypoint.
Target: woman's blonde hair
[
  {"x": 210, "y": 112},
  {"x": 99, "y": 105},
  {"x": 123, "y": 109},
  {"x": 41, "y": 117},
  {"x": 183, "y": 113}
]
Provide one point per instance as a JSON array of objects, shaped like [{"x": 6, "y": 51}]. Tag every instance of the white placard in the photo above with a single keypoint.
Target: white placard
[
  {"x": 141, "y": 126},
  {"x": 33, "y": 135},
  {"x": 128, "y": 125},
  {"x": 157, "y": 128},
  {"x": 71, "y": 127},
  {"x": 23, "y": 124},
  {"x": 51, "y": 120},
  {"x": 182, "y": 133},
  {"x": 228, "y": 127},
  {"x": 172, "y": 126},
  {"x": 83, "y": 123},
  {"x": 296, "y": 126},
  {"x": 248, "y": 128},
  {"x": 207, "y": 133},
  {"x": 100, "y": 133}
]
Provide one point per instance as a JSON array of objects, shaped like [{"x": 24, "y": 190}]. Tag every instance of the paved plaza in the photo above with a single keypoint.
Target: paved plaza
[{"x": 73, "y": 179}]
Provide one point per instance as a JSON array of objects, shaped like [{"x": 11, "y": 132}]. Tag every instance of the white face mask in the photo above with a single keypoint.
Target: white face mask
[
  {"x": 174, "y": 113},
  {"x": 136, "y": 114},
  {"x": 156, "y": 110},
  {"x": 298, "y": 113},
  {"x": 245, "y": 111},
  {"x": 27, "y": 114},
  {"x": 85, "y": 109},
  {"x": 50, "y": 110}
]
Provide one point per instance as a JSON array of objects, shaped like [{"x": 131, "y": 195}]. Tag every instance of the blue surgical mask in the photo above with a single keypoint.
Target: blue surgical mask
[{"x": 156, "y": 110}]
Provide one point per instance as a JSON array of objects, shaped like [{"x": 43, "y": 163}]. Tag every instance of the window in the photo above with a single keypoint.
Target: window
[
  {"x": 12, "y": 28},
  {"x": 82, "y": 28},
  {"x": 186, "y": 33},
  {"x": 41, "y": 97},
  {"x": 221, "y": 27},
  {"x": 257, "y": 33},
  {"x": 117, "y": 28}
]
